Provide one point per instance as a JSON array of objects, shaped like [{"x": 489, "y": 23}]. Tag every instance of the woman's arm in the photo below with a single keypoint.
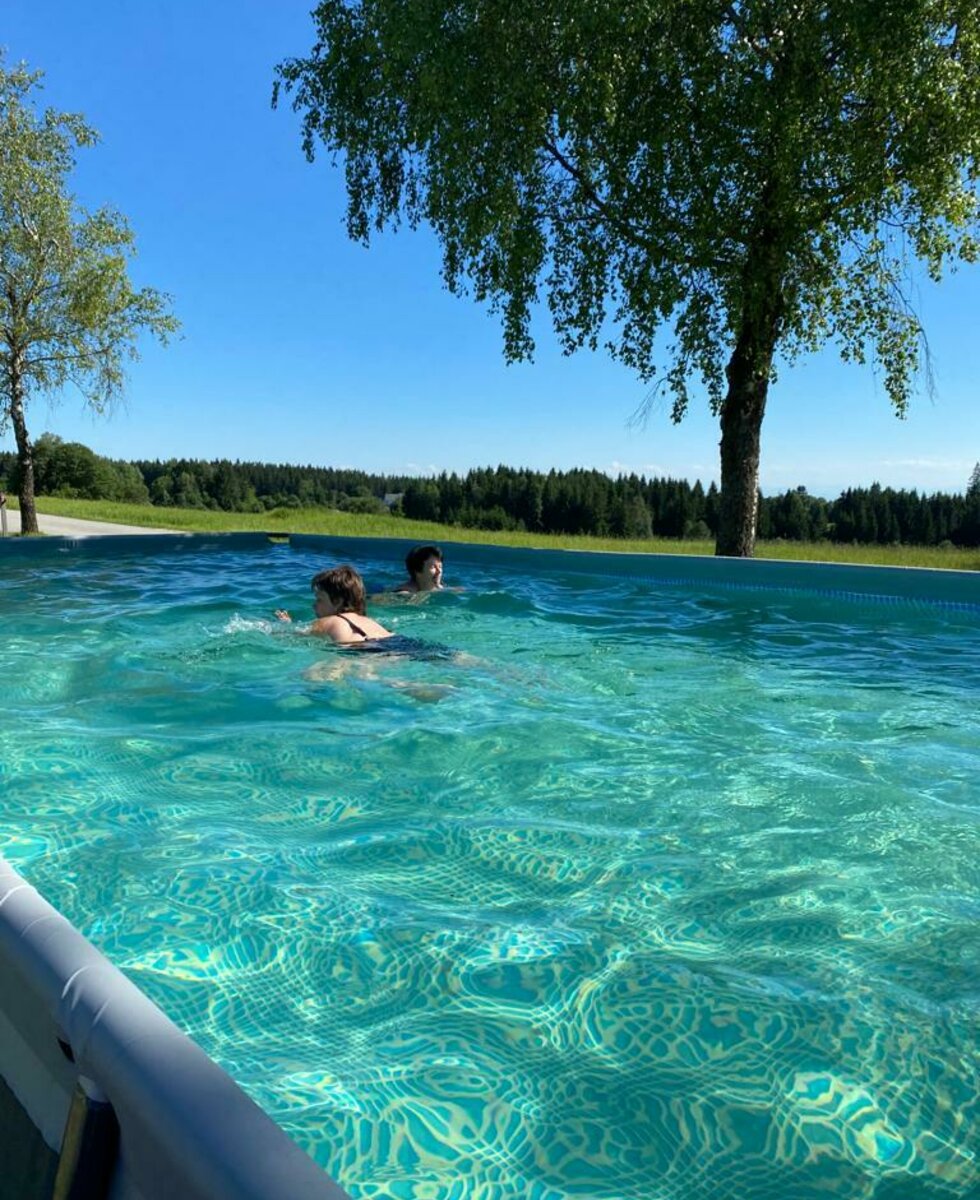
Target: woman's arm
[{"x": 324, "y": 627}]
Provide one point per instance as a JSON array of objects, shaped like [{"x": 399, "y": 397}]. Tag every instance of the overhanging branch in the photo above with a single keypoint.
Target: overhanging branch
[{"x": 624, "y": 228}]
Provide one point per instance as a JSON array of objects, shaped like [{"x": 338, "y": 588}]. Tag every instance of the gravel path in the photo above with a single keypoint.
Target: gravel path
[{"x": 73, "y": 527}]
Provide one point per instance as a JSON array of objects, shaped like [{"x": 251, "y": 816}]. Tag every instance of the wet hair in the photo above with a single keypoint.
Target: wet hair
[
  {"x": 344, "y": 585},
  {"x": 415, "y": 558}
]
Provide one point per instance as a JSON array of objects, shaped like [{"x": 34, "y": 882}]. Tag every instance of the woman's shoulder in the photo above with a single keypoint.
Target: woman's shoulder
[
  {"x": 370, "y": 626},
  {"x": 330, "y": 626}
]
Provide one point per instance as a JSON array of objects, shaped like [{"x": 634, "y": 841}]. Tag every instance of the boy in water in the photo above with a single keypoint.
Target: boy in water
[{"x": 424, "y": 567}]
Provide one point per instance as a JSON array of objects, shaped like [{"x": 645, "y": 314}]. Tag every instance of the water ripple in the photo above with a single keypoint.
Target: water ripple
[{"x": 668, "y": 896}]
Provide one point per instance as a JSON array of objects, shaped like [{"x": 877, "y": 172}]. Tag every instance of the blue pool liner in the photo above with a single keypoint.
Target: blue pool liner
[{"x": 847, "y": 581}]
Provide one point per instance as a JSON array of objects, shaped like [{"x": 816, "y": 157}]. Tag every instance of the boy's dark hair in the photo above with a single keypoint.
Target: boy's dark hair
[
  {"x": 415, "y": 558},
  {"x": 344, "y": 585}
]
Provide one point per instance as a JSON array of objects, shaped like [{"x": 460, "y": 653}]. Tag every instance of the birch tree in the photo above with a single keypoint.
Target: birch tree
[
  {"x": 69, "y": 314},
  {"x": 705, "y": 188}
]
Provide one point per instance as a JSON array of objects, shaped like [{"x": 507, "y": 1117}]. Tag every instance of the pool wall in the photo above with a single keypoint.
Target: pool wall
[
  {"x": 885, "y": 585},
  {"x": 890, "y": 585},
  {"x": 103, "y": 1096},
  {"x": 20, "y": 549}
]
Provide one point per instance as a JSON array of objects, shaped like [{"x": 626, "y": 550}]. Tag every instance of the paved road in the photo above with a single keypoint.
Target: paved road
[{"x": 72, "y": 527}]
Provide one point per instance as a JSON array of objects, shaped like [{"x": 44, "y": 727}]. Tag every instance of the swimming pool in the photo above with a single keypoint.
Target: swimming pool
[{"x": 672, "y": 893}]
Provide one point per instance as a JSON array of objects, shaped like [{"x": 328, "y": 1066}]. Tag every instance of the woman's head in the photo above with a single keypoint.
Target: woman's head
[{"x": 344, "y": 587}]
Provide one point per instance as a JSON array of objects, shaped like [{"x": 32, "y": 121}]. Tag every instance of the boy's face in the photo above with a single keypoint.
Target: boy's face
[{"x": 429, "y": 576}]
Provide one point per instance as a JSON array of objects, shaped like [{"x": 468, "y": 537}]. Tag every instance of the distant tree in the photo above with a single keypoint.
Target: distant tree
[
  {"x": 421, "y": 500},
  {"x": 711, "y": 508},
  {"x": 44, "y": 450},
  {"x": 8, "y": 462},
  {"x": 229, "y": 491},
  {"x": 630, "y": 515},
  {"x": 70, "y": 469},
  {"x": 968, "y": 532},
  {"x": 796, "y": 516},
  {"x": 923, "y": 529},
  {"x": 494, "y": 518},
  {"x": 162, "y": 491},
  {"x": 790, "y": 516},
  {"x": 697, "y": 531},
  {"x": 819, "y": 519},
  {"x": 187, "y": 492},
  {"x": 75, "y": 470},
  {"x": 130, "y": 485},
  {"x": 306, "y": 492},
  {"x": 68, "y": 312},
  {"x": 678, "y": 510},
  {"x": 757, "y": 175},
  {"x": 362, "y": 504},
  {"x": 450, "y": 497}
]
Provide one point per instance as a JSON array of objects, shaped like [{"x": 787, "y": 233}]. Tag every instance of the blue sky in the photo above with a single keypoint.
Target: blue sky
[{"x": 299, "y": 346}]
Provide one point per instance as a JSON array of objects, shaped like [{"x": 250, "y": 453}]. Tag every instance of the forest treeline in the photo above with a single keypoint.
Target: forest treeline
[{"x": 500, "y": 498}]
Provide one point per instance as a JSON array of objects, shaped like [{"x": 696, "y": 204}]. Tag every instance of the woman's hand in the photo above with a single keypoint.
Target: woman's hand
[{"x": 282, "y": 615}]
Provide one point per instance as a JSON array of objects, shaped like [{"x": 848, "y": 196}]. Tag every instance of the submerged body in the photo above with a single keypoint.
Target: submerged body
[
  {"x": 397, "y": 645},
  {"x": 368, "y": 637}
]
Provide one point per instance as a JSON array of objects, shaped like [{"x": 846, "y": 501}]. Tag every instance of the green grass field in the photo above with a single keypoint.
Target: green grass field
[{"x": 329, "y": 521}]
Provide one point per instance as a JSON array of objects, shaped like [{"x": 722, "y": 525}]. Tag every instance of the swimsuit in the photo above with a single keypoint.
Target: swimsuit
[
  {"x": 357, "y": 629},
  {"x": 397, "y": 645}
]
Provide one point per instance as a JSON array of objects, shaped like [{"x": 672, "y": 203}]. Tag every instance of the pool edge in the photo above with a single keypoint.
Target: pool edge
[{"x": 185, "y": 1127}]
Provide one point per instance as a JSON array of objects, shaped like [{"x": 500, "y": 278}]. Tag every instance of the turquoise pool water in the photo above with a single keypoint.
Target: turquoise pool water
[{"x": 672, "y": 894}]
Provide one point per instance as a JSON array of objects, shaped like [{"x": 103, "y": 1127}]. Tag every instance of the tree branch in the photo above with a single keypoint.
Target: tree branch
[
  {"x": 592, "y": 195},
  {"x": 97, "y": 352},
  {"x": 623, "y": 227}
]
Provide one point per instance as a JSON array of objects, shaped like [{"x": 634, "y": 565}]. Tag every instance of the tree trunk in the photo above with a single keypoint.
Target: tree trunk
[
  {"x": 741, "y": 436},
  {"x": 25, "y": 451},
  {"x": 744, "y": 406}
]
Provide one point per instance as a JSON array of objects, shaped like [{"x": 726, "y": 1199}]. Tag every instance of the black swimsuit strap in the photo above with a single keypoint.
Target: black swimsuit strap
[{"x": 356, "y": 628}]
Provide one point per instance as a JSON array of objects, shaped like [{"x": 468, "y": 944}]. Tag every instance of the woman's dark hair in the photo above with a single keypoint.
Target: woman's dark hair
[
  {"x": 415, "y": 558},
  {"x": 344, "y": 585}
]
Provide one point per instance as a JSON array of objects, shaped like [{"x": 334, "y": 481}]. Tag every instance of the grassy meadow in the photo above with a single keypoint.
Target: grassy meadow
[{"x": 340, "y": 524}]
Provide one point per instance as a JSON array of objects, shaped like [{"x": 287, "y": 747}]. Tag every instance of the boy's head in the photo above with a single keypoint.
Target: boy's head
[
  {"x": 345, "y": 588},
  {"x": 424, "y": 566}
]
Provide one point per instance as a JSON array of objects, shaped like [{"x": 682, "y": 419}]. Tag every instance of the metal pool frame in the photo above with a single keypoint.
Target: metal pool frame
[{"x": 101, "y": 1095}]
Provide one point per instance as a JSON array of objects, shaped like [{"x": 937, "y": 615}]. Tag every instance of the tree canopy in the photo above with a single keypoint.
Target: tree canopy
[
  {"x": 69, "y": 314},
  {"x": 754, "y": 178}
]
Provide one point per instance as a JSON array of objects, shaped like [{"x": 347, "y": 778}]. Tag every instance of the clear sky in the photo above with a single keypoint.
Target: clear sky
[{"x": 299, "y": 346}]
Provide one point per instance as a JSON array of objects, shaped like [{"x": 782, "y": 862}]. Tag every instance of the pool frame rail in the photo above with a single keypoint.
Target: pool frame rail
[{"x": 103, "y": 1096}]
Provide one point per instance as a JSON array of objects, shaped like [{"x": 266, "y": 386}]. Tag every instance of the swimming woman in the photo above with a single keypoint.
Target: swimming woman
[{"x": 339, "y": 603}]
